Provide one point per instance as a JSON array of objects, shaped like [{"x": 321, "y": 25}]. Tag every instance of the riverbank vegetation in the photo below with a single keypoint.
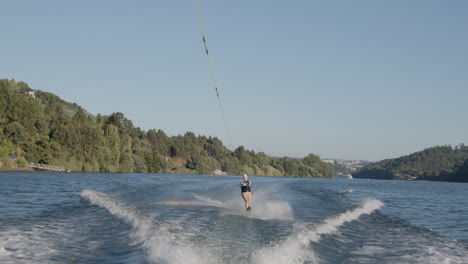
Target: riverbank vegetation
[
  {"x": 439, "y": 163},
  {"x": 40, "y": 127}
]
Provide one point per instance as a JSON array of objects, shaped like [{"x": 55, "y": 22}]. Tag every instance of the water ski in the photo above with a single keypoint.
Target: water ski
[{"x": 249, "y": 209}]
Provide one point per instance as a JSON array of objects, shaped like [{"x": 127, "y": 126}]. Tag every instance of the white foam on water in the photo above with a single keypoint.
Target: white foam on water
[
  {"x": 44, "y": 240},
  {"x": 330, "y": 225},
  {"x": 414, "y": 249},
  {"x": 296, "y": 248},
  {"x": 209, "y": 201},
  {"x": 198, "y": 201},
  {"x": 263, "y": 206},
  {"x": 448, "y": 254},
  {"x": 34, "y": 244},
  {"x": 159, "y": 243}
]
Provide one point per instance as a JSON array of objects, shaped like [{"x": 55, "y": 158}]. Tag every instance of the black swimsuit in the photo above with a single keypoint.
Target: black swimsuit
[{"x": 245, "y": 186}]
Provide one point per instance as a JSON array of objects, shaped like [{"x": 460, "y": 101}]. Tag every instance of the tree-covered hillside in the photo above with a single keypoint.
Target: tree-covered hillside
[
  {"x": 40, "y": 127},
  {"x": 442, "y": 163}
]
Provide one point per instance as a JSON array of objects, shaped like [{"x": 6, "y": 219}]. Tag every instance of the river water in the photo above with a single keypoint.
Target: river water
[{"x": 158, "y": 218}]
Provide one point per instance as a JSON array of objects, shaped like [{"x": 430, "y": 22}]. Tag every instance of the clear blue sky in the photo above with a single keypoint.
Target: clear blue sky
[{"x": 342, "y": 79}]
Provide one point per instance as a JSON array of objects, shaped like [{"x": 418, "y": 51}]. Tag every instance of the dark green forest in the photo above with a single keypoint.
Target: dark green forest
[
  {"x": 40, "y": 127},
  {"x": 440, "y": 163}
]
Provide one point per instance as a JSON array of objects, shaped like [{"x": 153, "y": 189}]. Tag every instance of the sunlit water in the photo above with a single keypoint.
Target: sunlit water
[{"x": 150, "y": 218}]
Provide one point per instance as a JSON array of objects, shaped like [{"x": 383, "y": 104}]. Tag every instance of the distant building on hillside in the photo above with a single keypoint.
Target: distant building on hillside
[
  {"x": 344, "y": 168},
  {"x": 32, "y": 94},
  {"x": 343, "y": 175}
]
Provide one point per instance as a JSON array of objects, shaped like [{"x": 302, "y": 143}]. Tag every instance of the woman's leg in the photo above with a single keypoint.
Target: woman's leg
[
  {"x": 249, "y": 199},
  {"x": 245, "y": 195}
]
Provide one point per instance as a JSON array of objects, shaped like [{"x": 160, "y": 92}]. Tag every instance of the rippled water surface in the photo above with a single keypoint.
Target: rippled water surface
[{"x": 156, "y": 218}]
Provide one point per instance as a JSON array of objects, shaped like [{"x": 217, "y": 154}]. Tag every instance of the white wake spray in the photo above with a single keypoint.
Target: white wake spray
[
  {"x": 159, "y": 244},
  {"x": 295, "y": 249},
  {"x": 38, "y": 244},
  {"x": 163, "y": 246},
  {"x": 264, "y": 207},
  {"x": 199, "y": 200}
]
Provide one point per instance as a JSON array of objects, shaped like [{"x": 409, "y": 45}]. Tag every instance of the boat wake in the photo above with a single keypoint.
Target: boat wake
[
  {"x": 264, "y": 207},
  {"x": 163, "y": 246},
  {"x": 22, "y": 246},
  {"x": 160, "y": 245},
  {"x": 296, "y": 248},
  {"x": 198, "y": 200}
]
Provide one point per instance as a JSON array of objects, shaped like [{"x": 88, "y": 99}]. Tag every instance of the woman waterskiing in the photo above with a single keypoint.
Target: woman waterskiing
[{"x": 246, "y": 194}]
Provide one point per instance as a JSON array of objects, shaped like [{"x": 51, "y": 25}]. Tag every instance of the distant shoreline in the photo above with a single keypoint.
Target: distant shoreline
[{"x": 101, "y": 172}]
